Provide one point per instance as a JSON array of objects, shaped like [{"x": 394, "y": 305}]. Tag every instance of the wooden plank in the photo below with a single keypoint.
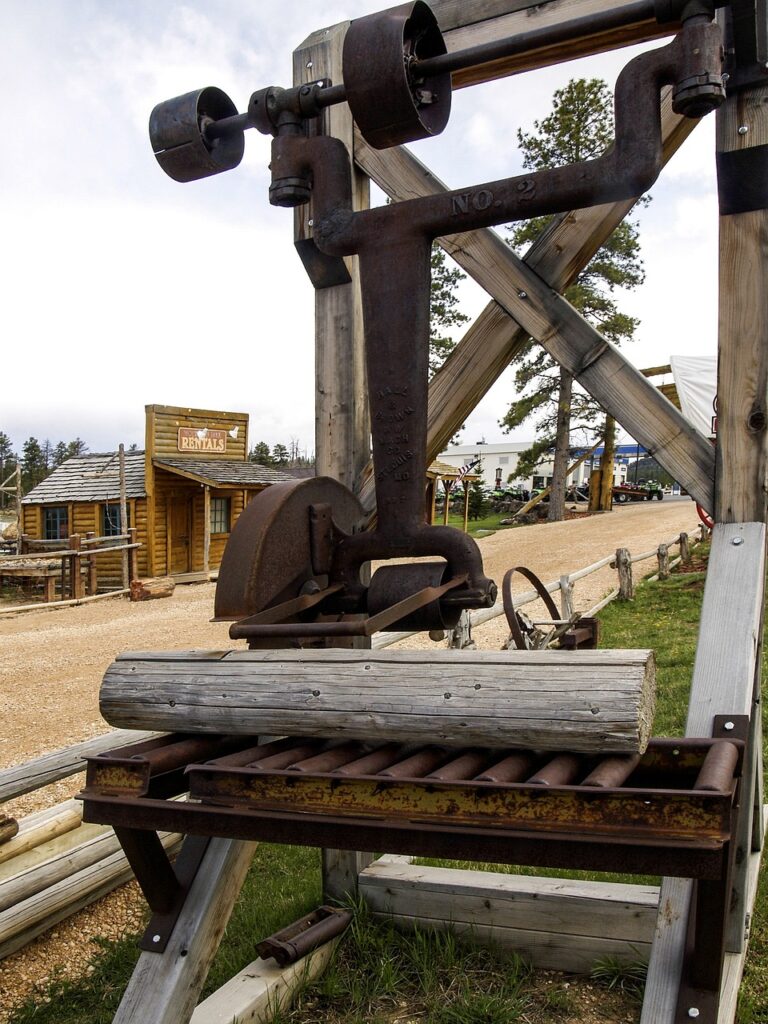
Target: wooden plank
[
  {"x": 580, "y": 700},
  {"x": 723, "y": 683},
  {"x": 544, "y": 315},
  {"x": 262, "y": 989},
  {"x": 164, "y": 987},
  {"x": 61, "y": 846},
  {"x": 38, "y": 828},
  {"x": 475, "y": 22},
  {"x": 553, "y": 923},
  {"x": 60, "y": 764}
]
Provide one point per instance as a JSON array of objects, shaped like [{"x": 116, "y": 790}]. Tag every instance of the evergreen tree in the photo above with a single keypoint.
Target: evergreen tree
[
  {"x": 76, "y": 447},
  {"x": 60, "y": 453},
  {"x": 261, "y": 453},
  {"x": 444, "y": 313},
  {"x": 8, "y": 462},
  {"x": 579, "y": 127},
  {"x": 280, "y": 455},
  {"x": 33, "y": 468}
]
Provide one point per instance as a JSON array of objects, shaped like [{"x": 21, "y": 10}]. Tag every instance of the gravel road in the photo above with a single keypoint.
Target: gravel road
[{"x": 53, "y": 660}]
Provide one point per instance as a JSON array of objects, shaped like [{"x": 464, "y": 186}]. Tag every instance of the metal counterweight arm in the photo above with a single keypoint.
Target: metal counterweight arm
[{"x": 393, "y": 244}]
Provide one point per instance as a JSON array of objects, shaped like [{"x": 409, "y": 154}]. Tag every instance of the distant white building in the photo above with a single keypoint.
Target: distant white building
[{"x": 498, "y": 464}]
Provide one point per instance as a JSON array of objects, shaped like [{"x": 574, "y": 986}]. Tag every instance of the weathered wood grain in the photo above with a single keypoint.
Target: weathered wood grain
[
  {"x": 581, "y": 701},
  {"x": 552, "y": 923},
  {"x": 38, "y": 828},
  {"x": 165, "y": 987}
]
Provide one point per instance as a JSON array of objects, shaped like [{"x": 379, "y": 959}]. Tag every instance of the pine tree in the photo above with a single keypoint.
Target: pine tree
[
  {"x": 579, "y": 127},
  {"x": 280, "y": 455},
  {"x": 33, "y": 468},
  {"x": 444, "y": 313},
  {"x": 8, "y": 461},
  {"x": 261, "y": 453}
]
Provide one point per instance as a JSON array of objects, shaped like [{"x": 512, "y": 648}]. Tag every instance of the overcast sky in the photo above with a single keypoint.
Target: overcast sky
[{"x": 122, "y": 287}]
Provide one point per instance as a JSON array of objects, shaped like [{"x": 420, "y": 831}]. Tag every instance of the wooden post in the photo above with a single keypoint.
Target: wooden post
[
  {"x": 342, "y": 418},
  {"x": 566, "y": 597},
  {"x": 133, "y": 555},
  {"x": 123, "y": 513},
  {"x": 663, "y": 556},
  {"x": 685, "y": 549},
  {"x": 595, "y": 478},
  {"x": 92, "y": 584},
  {"x": 18, "y": 511},
  {"x": 447, "y": 487},
  {"x": 75, "y": 564},
  {"x": 466, "y": 505},
  {"x": 624, "y": 566},
  {"x": 606, "y": 465},
  {"x": 206, "y": 529}
]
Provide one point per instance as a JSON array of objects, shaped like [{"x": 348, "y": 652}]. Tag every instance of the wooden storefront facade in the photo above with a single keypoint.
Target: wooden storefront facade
[{"x": 184, "y": 492}]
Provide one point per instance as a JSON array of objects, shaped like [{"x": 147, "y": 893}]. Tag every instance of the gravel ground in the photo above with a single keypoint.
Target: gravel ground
[{"x": 53, "y": 661}]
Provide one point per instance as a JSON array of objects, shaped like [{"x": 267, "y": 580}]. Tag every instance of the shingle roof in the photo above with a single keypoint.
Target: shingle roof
[
  {"x": 93, "y": 477},
  {"x": 219, "y": 471}
]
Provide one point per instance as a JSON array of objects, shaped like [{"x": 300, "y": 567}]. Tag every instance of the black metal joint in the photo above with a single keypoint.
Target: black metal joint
[{"x": 677, "y": 11}]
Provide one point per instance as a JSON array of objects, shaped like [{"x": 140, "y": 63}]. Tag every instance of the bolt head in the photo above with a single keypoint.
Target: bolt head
[
  {"x": 522, "y": 295},
  {"x": 743, "y": 129},
  {"x": 729, "y": 726},
  {"x": 737, "y": 541},
  {"x": 693, "y": 1012},
  {"x": 155, "y": 938}
]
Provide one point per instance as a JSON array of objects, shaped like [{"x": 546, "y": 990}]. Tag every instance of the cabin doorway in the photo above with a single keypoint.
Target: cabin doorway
[{"x": 180, "y": 535}]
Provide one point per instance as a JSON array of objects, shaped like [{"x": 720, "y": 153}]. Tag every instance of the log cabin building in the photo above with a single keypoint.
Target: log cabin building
[{"x": 184, "y": 492}]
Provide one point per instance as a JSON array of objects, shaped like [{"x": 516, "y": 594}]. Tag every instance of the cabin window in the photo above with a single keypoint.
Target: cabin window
[
  {"x": 110, "y": 521},
  {"x": 55, "y": 522},
  {"x": 221, "y": 515}
]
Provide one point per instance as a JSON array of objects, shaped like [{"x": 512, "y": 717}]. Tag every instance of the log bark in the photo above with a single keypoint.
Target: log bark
[
  {"x": 624, "y": 566},
  {"x": 554, "y": 700},
  {"x": 8, "y": 828},
  {"x": 41, "y": 826},
  {"x": 148, "y": 590}
]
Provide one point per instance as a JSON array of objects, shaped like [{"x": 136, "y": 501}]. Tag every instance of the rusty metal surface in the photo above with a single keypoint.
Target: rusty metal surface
[{"x": 300, "y": 937}]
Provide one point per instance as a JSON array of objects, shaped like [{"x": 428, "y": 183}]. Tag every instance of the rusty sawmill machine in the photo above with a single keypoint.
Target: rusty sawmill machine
[{"x": 294, "y": 582}]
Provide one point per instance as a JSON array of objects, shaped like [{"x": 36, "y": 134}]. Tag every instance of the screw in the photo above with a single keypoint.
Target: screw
[
  {"x": 729, "y": 726},
  {"x": 743, "y": 129},
  {"x": 155, "y": 938},
  {"x": 309, "y": 63},
  {"x": 737, "y": 541},
  {"x": 310, "y": 222},
  {"x": 693, "y": 1011},
  {"x": 522, "y": 295}
]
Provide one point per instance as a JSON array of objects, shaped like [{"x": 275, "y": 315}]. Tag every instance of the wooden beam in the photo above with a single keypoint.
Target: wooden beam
[
  {"x": 342, "y": 423},
  {"x": 207, "y": 528},
  {"x": 164, "y": 987},
  {"x": 723, "y": 684},
  {"x": 468, "y": 23},
  {"x": 554, "y": 923},
  {"x": 544, "y": 315},
  {"x": 742, "y": 384}
]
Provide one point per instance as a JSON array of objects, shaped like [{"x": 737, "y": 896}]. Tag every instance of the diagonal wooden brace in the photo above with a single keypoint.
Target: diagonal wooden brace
[{"x": 546, "y": 316}]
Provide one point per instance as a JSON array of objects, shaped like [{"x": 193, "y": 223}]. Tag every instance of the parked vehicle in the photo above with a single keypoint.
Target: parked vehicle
[{"x": 624, "y": 493}]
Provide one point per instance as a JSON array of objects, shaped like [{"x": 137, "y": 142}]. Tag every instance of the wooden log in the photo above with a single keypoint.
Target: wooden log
[
  {"x": 8, "y": 828},
  {"x": 148, "y": 590},
  {"x": 38, "y": 828},
  {"x": 624, "y": 566},
  {"x": 599, "y": 700},
  {"x": 74, "y": 857},
  {"x": 554, "y": 923},
  {"x": 60, "y": 764},
  {"x": 685, "y": 549},
  {"x": 22, "y": 923}
]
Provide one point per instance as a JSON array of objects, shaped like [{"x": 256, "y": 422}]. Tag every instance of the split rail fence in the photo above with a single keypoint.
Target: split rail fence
[
  {"x": 72, "y": 562},
  {"x": 53, "y": 865}
]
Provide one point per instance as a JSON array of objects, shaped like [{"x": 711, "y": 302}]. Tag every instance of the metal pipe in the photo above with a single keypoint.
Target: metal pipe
[{"x": 536, "y": 39}]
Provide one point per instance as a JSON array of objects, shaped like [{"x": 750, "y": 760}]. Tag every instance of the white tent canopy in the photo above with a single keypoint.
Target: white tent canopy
[{"x": 696, "y": 383}]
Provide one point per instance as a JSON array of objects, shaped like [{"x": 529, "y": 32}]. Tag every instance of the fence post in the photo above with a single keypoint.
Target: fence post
[
  {"x": 663, "y": 556},
  {"x": 566, "y": 597},
  {"x": 703, "y": 532},
  {"x": 460, "y": 637},
  {"x": 24, "y": 543},
  {"x": 624, "y": 566},
  {"x": 133, "y": 556},
  {"x": 75, "y": 561},
  {"x": 92, "y": 585},
  {"x": 685, "y": 549}
]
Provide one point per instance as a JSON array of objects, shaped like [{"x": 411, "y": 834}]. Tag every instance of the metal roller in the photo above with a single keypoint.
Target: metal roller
[
  {"x": 177, "y": 133},
  {"x": 390, "y": 102},
  {"x": 393, "y": 583}
]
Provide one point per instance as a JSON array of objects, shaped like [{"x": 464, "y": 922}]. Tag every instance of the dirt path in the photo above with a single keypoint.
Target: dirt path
[{"x": 52, "y": 662}]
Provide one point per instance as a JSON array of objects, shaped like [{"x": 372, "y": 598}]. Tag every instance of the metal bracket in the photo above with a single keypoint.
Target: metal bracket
[
  {"x": 161, "y": 924},
  {"x": 730, "y": 727},
  {"x": 746, "y": 44}
]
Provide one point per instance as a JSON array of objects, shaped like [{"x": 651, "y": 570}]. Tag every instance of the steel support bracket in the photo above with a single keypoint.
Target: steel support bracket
[
  {"x": 746, "y": 44},
  {"x": 730, "y": 727},
  {"x": 162, "y": 923}
]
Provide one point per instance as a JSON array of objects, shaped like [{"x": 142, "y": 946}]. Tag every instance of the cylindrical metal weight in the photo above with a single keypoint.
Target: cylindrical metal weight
[
  {"x": 389, "y": 103},
  {"x": 176, "y": 131},
  {"x": 393, "y": 583}
]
